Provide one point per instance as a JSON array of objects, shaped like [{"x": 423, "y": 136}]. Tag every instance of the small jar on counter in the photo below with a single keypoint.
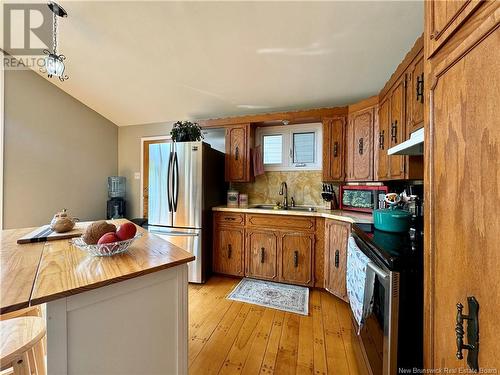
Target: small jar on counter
[
  {"x": 232, "y": 198},
  {"x": 243, "y": 200}
]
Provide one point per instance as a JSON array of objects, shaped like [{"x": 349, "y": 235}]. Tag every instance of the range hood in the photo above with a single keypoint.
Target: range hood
[{"x": 413, "y": 146}]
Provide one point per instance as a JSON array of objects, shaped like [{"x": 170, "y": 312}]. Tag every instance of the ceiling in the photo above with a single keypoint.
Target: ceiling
[{"x": 141, "y": 62}]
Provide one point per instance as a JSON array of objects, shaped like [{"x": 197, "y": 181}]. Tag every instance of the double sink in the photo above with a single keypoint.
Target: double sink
[{"x": 274, "y": 207}]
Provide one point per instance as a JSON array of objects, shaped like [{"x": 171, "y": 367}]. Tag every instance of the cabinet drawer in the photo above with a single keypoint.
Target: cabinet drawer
[
  {"x": 282, "y": 222},
  {"x": 232, "y": 218}
]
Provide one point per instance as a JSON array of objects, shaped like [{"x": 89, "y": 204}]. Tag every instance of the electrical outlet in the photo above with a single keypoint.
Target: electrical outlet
[{"x": 137, "y": 175}]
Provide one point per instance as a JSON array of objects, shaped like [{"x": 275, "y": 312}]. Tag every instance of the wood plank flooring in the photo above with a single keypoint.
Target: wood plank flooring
[{"x": 229, "y": 337}]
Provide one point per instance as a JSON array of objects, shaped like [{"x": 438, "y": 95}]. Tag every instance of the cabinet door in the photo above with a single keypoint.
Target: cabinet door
[
  {"x": 238, "y": 153},
  {"x": 397, "y": 129},
  {"x": 297, "y": 258},
  {"x": 333, "y": 149},
  {"x": 336, "y": 235},
  {"x": 384, "y": 119},
  {"x": 415, "y": 96},
  {"x": 228, "y": 251},
  {"x": 443, "y": 18},
  {"x": 262, "y": 254},
  {"x": 462, "y": 256},
  {"x": 361, "y": 144}
]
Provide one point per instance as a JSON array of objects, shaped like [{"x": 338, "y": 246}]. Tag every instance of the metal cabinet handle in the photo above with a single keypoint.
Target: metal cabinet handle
[
  {"x": 335, "y": 149},
  {"x": 262, "y": 250},
  {"x": 360, "y": 146},
  {"x": 420, "y": 88},
  {"x": 337, "y": 258},
  {"x": 237, "y": 153},
  {"x": 295, "y": 258},
  {"x": 394, "y": 131},
  {"x": 229, "y": 251},
  {"x": 472, "y": 333},
  {"x": 230, "y": 218},
  {"x": 381, "y": 140}
]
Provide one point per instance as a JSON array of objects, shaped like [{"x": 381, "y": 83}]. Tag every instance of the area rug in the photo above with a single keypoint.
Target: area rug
[{"x": 284, "y": 297}]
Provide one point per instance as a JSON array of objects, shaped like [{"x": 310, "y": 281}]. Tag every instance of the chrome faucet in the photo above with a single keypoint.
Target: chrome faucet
[{"x": 284, "y": 191}]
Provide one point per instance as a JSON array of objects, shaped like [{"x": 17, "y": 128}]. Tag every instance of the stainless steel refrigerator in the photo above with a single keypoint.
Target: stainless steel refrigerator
[{"x": 185, "y": 181}]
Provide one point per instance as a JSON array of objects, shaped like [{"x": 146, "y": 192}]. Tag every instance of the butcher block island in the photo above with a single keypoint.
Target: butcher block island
[{"x": 125, "y": 314}]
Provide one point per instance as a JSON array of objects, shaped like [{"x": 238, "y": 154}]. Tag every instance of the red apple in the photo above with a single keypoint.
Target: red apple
[
  {"x": 108, "y": 238},
  {"x": 126, "y": 231}
]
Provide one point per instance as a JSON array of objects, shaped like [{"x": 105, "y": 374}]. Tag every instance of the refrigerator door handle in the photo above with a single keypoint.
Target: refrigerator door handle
[
  {"x": 169, "y": 190},
  {"x": 175, "y": 184}
]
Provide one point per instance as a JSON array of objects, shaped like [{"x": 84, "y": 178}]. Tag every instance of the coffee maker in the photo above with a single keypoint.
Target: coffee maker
[{"x": 116, "y": 195}]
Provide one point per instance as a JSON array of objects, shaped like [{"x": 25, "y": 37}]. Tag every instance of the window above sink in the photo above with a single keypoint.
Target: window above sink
[{"x": 291, "y": 147}]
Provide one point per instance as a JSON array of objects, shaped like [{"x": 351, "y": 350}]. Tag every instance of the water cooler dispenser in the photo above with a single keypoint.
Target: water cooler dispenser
[{"x": 116, "y": 195}]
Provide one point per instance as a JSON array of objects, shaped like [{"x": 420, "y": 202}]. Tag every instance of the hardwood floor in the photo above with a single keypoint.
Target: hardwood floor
[{"x": 228, "y": 337}]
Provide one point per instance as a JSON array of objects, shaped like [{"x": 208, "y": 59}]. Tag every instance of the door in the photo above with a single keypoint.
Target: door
[
  {"x": 361, "y": 144},
  {"x": 262, "y": 254},
  {"x": 145, "y": 173},
  {"x": 415, "y": 96},
  {"x": 336, "y": 236},
  {"x": 442, "y": 20},
  {"x": 333, "y": 149},
  {"x": 384, "y": 118},
  {"x": 189, "y": 240},
  {"x": 296, "y": 258},
  {"x": 397, "y": 129},
  {"x": 187, "y": 184},
  {"x": 228, "y": 251},
  {"x": 237, "y": 153},
  {"x": 462, "y": 156},
  {"x": 160, "y": 207}
]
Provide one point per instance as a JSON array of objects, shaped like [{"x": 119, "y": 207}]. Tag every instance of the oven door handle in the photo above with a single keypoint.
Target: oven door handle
[{"x": 381, "y": 273}]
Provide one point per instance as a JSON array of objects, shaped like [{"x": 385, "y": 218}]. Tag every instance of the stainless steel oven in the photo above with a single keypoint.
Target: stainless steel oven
[
  {"x": 379, "y": 333},
  {"x": 391, "y": 333}
]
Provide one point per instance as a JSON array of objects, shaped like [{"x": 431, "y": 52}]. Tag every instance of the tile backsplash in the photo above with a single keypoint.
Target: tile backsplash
[{"x": 305, "y": 188}]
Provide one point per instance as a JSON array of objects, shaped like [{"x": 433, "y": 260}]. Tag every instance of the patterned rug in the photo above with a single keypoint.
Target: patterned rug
[{"x": 284, "y": 297}]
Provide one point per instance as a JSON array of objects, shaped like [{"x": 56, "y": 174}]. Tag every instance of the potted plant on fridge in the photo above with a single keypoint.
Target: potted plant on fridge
[{"x": 186, "y": 131}]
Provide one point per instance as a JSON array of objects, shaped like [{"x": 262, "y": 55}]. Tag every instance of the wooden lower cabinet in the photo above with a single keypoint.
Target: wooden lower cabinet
[
  {"x": 297, "y": 251},
  {"x": 262, "y": 254},
  {"x": 336, "y": 236},
  {"x": 228, "y": 254}
]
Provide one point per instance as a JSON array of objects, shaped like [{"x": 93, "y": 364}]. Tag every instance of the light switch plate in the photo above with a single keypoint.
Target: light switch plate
[{"x": 137, "y": 175}]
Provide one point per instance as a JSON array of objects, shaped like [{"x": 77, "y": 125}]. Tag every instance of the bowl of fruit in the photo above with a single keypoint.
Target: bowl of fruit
[{"x": 104, "y": 239}]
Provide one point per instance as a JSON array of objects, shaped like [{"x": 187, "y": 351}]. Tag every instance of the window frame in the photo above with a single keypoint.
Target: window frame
[{"x": 287, "y": 131}]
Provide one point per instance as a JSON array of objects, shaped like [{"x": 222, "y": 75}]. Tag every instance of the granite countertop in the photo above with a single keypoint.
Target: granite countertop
[
  {"x": 342, "y": 215},
  {"x": 36, "y": 273}
]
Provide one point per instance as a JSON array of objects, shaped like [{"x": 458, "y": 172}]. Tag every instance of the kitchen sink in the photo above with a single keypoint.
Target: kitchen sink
[{"x": 273, "y": 207}]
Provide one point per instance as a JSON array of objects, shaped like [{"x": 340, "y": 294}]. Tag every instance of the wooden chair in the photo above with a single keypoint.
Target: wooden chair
[{"x": 21, "y": 345}]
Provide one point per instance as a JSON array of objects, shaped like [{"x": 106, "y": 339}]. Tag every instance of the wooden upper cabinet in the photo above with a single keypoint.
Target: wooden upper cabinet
[
  {"x": 238, "y": 143},
  {"x": 415, "y": 96},
  {"x": 336, "y": 236},
  {"x": 443, "y": 18},
  {"x": 333, "y": 148},
  {"x": 262, "y": 254},
  {"x": 384, "y": 122},
  {"x": 297, "y": 251},
  {"x": 228, "y": 250},
  {"x": 397, "y": 128},
  {"x": 360, "y": 142}
]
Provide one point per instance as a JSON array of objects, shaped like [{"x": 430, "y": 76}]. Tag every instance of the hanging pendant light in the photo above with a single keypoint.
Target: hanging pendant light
[{"x": 54, "y": 63}]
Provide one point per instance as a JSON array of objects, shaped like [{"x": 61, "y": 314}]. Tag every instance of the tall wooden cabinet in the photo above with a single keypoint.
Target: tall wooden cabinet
[
  {"x": 336, "y": 235},
  {"x": 462, "y": 157},
  {"x": 334, "y": 148},
  {"x": 239, "y": 139},
  {"x": 361, "y": 125}
]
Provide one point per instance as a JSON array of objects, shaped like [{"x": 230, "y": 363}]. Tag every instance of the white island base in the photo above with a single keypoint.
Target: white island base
[{"x": 137, "y": 326}]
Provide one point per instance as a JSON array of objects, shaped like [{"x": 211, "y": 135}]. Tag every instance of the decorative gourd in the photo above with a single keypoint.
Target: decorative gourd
[
  {"x": 62, "y": 222},
  {"x": 96, "y": 230}
]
